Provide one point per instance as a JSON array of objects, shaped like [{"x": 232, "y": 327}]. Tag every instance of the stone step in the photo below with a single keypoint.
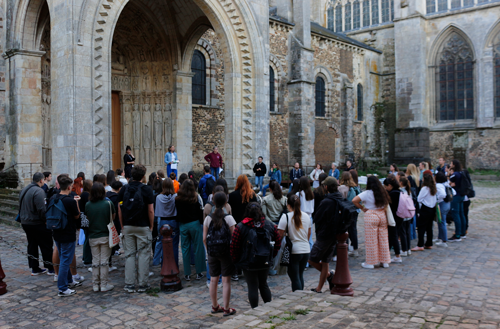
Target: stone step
[
  {"x": 8, "y": 220},
  {"x": 11, "y": 197},
  {"x": 8, "y": 212},
  {"x": 9, "y": 203},
  {"x": 9, "y": 191}
]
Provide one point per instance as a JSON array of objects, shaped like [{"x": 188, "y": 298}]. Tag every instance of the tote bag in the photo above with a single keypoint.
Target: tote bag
[
  {"x": 287, "y": 250},
  {"x": 114, "y": 238},
  {"x": 390, "y": 217}
]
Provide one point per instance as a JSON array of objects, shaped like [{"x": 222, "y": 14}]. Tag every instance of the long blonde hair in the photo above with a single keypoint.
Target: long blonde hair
[
  {"x": 346, "y": 179},
  {"x": 412, "y": 171}
]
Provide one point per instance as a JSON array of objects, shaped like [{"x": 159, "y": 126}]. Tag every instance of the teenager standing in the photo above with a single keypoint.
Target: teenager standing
[
  {"x": 129, "y": 161},
  {"x": 260, "y": 171},
  {"x": 428, "y": 200}
]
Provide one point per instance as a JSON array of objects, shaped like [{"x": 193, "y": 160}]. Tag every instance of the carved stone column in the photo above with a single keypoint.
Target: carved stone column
[
  {"x": 147, "y": 131},
  {"x": 136, "y": 119},
  {"x": 348, "y": 120}
]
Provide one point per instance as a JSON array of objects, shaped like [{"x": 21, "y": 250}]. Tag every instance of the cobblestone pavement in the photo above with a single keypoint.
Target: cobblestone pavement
[{"x": 454, "y": 287}]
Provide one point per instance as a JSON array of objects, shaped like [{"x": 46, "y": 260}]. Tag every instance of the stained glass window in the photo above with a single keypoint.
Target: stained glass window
[
  {"x": 442, "y": 5},
  {"x": 320, "y": 97},
  {"x": 431, "y": 6},
  {"x": 375, "y": 19},
  {"x": 455, "y": 4},
  {"x": 356, "y": 15},
  {"x": 338, "y": 18},
  {"x": 360, "y": 102},
  {"x": 330, "y": 18},
  {"x": 386, "y": 11},
  {"x": 366, "y": 13},
  {"x": 348, "y": 9},
  {"x": 198, "y": 67},
  {"x": 272, "y": 94}
]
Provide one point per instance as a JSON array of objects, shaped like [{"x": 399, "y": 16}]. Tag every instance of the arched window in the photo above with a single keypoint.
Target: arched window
[
  {"x": 366, "y": 13},
  {"x": 496, "y": 74},
  {"x": 431, "y": 6},
  {"x": 356, "y": 15},
  {"x": 455, "y": 80},
  {"x": 375, "y": 19},
  {"x": 386, "y": 11},
  {"x": 330, "y": 18},
  {"x": 198, "y": 67},
  {"x": 338, "y": 18},
  {"x": 442, "y": 5},
  {"x": 348, "y": 9},
  {"x": 320, "y": 97},
  {"x": 360, "y": 102},
  {"x": 272, "y": 94}
]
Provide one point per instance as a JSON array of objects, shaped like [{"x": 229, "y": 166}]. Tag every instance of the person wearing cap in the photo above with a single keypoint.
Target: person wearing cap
[
  {"x": 260, "y": 171},
  {"x": 326, "y": 221}
]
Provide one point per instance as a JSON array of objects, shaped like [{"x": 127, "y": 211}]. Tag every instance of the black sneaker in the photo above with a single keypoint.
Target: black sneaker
[
  {"x": 330, "y": 279},
  {"x": 235, "y": 277},
  {"x": 74, "y": 284},
  {"x": 187, "y": 278},
  {"x": 454, "y": 239},
  {"x": 129, "y": 288},
  {"x": 144, "y": 288},
  {"x": 200, "y": 276}
]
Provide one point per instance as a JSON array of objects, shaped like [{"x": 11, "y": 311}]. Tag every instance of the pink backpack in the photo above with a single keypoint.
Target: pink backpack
[{"x": 406, "y": 208}]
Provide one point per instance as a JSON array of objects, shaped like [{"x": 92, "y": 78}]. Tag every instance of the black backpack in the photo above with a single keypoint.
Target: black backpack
[
  {"x": 218, "y": 241},
  {"x": 449, "y": 194},
  {"x": 466, "y": 187},
  {"x": 132, "y": 201},
  {"x": 348, "y": 213},
  {"x": 209, "y": 186},
  {"x": 257, "y": 251}
]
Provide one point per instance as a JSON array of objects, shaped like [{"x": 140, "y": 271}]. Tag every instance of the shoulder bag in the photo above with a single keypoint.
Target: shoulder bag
[
  {"x": 114, "y": 238},
  {"x": 287, "y": 249},
  {"x": 390, "y": 217}
]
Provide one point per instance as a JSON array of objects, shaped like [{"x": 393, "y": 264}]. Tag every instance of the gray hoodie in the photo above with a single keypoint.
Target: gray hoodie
[{"x": 165, "y": 206}]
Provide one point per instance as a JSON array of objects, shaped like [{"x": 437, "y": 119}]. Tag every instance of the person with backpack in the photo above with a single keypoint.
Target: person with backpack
[
  {"x": 189, "y": 217},
  {"x": 306, "y": 200},
  {"x": 428, "y": 200},
  {"x": 241, "y": 197},
  {"x": 218, "y": 228},
  {"x": 136, "y": 215},
  {"x": 99, "y": 213},
  {"x": 63, "y": 216},
  {"x": 328, "y": 223},
  {"x": 375, "y": 199},
  {"x": 296, "y": 224},
  {"x": 166, "y": 211},
  {"x": 349, "y": 190},
  {"x": 395, "y": 232},
  {"x": 458, "y": 183},
  {"x": 252, "y": 250},
  {"x": 405, "y": 188},
  {"x": 444, "y": 197},
  {"x": 206, "y": 185},
  {"x": 32, "y": 217}
]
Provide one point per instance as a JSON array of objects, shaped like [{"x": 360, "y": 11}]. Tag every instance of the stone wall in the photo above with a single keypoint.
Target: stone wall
[
  {"x": 3, "y": 128},
  {"x": 324, "y": 145},
  {"x": 208, "y": 131},
  {"x": 279, "y": 139}
]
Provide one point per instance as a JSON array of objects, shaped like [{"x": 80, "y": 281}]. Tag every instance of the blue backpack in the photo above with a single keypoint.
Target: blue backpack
[{"x": 56, "y": 215}]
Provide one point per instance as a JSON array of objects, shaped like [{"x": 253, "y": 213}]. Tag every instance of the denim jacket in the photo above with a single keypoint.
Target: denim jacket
[
  {"x": 275, "y": 175},
  {"x": 335, "y": 173},
  {"x": 168, "y": 157}
]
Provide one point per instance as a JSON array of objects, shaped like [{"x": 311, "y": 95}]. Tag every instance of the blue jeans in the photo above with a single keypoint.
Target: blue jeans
[
  {"x": 443, "y": 232},
  {"x": 158, "y": 257},
  {"x": 169, "y": 171},
  {"x": 66, "y": 254},
  {"x": 259, "y": 180},
  {"x": 457, "y": 209},
  {"x": 413, "y": 227},
  {"x": 264, "y": 189},
  {"x": 214, "y": 172}
]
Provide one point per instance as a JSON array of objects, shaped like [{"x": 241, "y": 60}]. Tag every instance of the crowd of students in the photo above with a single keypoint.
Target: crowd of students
[{"x": 227, "y": 234}]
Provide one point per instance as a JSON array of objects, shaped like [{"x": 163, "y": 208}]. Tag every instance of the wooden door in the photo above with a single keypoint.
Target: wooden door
[{"x": 116, "y": 131}]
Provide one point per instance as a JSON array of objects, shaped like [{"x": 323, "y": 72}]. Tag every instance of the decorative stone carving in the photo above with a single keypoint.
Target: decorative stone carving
[
  {"x": 117, "y": 60},
  {"x": 136, "y": 117},
  {"x": 158, "y": 126}
]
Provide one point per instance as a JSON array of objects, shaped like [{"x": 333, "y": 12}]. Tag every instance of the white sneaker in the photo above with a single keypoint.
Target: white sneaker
[
  {"x": 409, "y": 252},
  {"x": 260, "y": 193},
  {"x": 334, "y": 259},
  {"x": 208, "y": 284},
  {"x": 353, "y": 253},
  {"x": 151, "y": 274},
  {"x": 108, "y": 287},
  {"x": 364, "y": 265},
  {"x": 96, "y": 288},
  {"x": 219, "y": 284},
  {"x": 441, "y": 244},
  {"x": 78, "y": 277},
  {"x": 463, "y": 237},
  {"x": 55, "y": 277},
  {"x": 350, "y": 248},
  {"x": 436, "y": 240},
  {"x": 385, "y": 265},
  {"x": 90, "y": 269},
  {"x": 404, "y": 254},
  {"x": 112, "y": 268},
  {"x": 396, "y": 260},
  {"x": 68, "y": 292}
]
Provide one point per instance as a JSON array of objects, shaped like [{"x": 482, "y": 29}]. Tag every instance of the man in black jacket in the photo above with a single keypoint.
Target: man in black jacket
[
  {"x": 295, "y": 173},
  {"x": 327, "y": 224},
  {"x": 32, "y": 215}
]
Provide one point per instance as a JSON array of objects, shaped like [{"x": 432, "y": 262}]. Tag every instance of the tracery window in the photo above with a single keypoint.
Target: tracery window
[
  {"x": 366, "y": 13},
  {"x": 338, "y": 18},
  {"x": 272, "y": 93},
  {"x": 442, "y": 5},
  {"x": 468, "y": 3},
  {"x": 356, "y": 15},
  {"x": 375, "y": 19},
  {"x": 199, "y": 68},
  {"x": 320, "y": 97},
  {"x": 431, "y": 6},
  {"x": 455, "y": 82},
  {"x": 330, "y": 17},
  {"x": 347, "y": 9},
  {"x": 496, "y": 75},
  {"x": 386, "y": 11},
  {"x": 455, "y": 4},
  {"x": 360, "y": 102}
]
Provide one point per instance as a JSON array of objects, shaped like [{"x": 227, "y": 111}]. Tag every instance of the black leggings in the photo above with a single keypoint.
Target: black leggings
[
  {"x": 353, "y": 233},
  {"x": 257, "y": 281},
  {"x": 466, "y": 215},
  {"x": 424, "y": 224},
  {"x": 296, "y": 269},
  {"x": 401, "y": 227},
  {"x": 393, "y": 239}
]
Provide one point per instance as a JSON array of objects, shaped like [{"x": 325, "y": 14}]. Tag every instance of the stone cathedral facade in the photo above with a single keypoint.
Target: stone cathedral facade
[{"x": 313, "y": 81}]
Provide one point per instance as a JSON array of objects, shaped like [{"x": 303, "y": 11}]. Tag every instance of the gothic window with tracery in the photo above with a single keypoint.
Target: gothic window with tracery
[
  {"x": 496, "y": 75},
  {"x": 356, "y": 15},
  {"x": 468, "y": 3},
  {"x": 272, "y": 94},
  {"x": 455, "y": 80},
  {"x": 442, "y": 5},
  {"x": 366, "y": 13},
  {"x": 455, "y": 4},
  {"x": 347, "y": 9},
  {"x": 360, "y": 102},
  {"x": 375, "y": 19},
  {"x": 431, "y": 6},
  {"x": 386, "y": 11},
  {"x": 199, "y": 68},
  {"x": 320, "y": 97},
  {"x": 338, "y": 18},
  {"x": 330, "y": 18}
]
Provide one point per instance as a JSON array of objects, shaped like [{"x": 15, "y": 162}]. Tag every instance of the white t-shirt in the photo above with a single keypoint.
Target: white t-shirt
[
  {"x": 299, "y": 238},
  {"x": 229, "y": 221},
  {"x": 108, "y": 188},
  {"x": 368, "y": 200},
  {"x": 305, "y": 206}
]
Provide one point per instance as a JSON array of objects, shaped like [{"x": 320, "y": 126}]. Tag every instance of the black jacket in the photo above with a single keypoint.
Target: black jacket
[
  {"x": 237, "y": 205},
  {"x": 295, "y": 174},
  {"x": 326, "y": 218},
  {"x": 262, "y": 171}
]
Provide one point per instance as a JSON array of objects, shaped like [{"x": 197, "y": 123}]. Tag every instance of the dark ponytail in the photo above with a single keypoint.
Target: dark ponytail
[
  {"x": 294, "y": 202},
  {"x": 220, "y": 200}
]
